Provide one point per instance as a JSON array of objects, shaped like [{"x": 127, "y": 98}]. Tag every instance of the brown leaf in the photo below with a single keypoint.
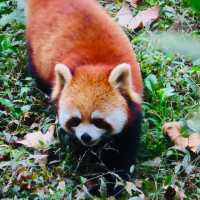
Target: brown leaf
[
  {"x": 124, "y": 16},
  {"x": 142, "y": 19},
  {"x": 25, "y": 175},
  {"x": 194, "y": 142},
  {"x": 172, "y": 129},
  {"x": 41, "y": 190},
  {"x": 34, "y": 125},
  {"x": 61, "y": 185},
  {"x": 36, "y": 139},
  {"x": 179, "y": 193},
  {"x": 138, "y": 183}
]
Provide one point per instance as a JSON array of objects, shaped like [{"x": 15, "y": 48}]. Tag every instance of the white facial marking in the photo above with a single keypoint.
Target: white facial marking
[
  {"x": 64, "y": 115},
  {"x": 116, "y": 119},
  {"x": 94, "y": 132},
  {"x": 97, "y": 114}
]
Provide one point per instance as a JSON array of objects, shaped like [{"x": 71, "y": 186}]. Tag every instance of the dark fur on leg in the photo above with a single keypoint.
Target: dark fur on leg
[
  {"x": 33, "y": 73},
  {"x": 123, "y": 157}
]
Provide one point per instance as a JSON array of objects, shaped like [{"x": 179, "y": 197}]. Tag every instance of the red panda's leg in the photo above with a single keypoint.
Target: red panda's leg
[{"x": 120, "y": 161}]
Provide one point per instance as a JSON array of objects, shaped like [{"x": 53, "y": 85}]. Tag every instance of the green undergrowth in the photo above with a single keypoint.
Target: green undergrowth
[{"x": 171, "y": 93}]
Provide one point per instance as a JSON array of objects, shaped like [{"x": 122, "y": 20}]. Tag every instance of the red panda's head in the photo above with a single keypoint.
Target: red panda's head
[{"x": 91, "y": 102}]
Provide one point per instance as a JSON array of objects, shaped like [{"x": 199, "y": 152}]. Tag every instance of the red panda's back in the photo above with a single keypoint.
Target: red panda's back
[{"x": 76, "y": 32}]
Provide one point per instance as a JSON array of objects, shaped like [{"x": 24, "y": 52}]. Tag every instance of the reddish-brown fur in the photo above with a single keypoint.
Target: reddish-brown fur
[
  {"x": 76, "y": 33},
  {"x": 77, "y": 49},
  {"x": 90, "y": 90}
]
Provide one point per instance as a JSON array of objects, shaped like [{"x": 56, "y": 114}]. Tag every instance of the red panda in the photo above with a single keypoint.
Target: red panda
[{"x": 86, "y": 62}]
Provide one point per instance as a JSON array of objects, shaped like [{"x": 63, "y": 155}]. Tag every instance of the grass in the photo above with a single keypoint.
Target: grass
[{"x": 171, "y": 93}]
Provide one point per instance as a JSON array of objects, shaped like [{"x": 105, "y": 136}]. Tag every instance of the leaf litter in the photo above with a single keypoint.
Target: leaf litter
[
  {"x": 142, "y": 19},
  {"x": 173, "y": 130},
  {"x": 38, "y": 140}
]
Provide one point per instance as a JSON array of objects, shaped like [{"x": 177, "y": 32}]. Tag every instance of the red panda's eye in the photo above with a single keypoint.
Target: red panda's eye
[
  {"x": 100, "y": 123},
  {"x": 73, "y": 122}
]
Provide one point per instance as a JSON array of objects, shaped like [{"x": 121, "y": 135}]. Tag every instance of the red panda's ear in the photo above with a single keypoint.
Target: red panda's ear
[
  {"x": 63, "y": 77},
  {"x": 121, "y": 79}
]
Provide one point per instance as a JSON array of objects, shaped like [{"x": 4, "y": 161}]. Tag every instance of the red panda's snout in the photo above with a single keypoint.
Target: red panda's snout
[
  {"x": 90, "y": 102},
  {"x": 91, "y": 131}
]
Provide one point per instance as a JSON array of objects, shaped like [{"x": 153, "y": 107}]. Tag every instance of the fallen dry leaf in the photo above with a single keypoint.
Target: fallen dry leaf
[
  {"x": 37, "y": 139},
  {"x": 41, "y": 190},
  {"x": 179, "y": 193},
  {"x": 194, "y": 142},
  {"x": 172, "y": 129},
  {"x": 61, "y": 185},
  {"x": 138, "y": 183},
  {"x": 34, "y": 125},
  {"x": 142, "y": 19}
]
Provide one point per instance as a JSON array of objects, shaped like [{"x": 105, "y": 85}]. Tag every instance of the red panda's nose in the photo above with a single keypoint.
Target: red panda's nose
[{"x": 86, "y": 138}]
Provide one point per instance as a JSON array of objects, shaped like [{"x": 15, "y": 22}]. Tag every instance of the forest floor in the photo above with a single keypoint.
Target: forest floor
[{"x": 171, "y": 93}]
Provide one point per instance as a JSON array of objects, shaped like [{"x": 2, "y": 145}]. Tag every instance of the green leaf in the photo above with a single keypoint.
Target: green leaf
[
  {"x": 196, "y": 69},
  {"x": 151, "y": 82},
  {"x": 25, "y": 108},
  {"x": 83, "y": 180},
  {"x": 16, "y": 15},
  {"x": 194, "y": 122},
  {"x": 7, "y": 103},
  {"x": 195, "y": 4},
  {"x": 24, "y": 90},
  {"x": 167, "y": 92},
  {"x": 135, "y": 198},
  {"x": 153, "y": 163}
]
